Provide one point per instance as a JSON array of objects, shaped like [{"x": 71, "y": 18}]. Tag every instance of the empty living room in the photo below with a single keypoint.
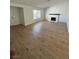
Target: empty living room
[{"x": 39, "y": 29}]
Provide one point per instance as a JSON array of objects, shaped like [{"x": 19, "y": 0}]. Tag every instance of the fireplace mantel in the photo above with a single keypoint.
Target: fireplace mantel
[{"x": 54, "y": 14}]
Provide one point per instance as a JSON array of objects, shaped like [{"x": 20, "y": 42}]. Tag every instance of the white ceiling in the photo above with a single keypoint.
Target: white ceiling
[{"x": 38, "y": 3}]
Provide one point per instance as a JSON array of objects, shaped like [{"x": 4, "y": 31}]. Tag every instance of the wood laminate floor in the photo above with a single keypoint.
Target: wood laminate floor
[{"x": 43, "y": 40}]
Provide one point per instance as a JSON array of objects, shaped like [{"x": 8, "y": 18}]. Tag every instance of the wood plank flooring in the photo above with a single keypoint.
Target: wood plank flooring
[{"x": 43, "y": 40}]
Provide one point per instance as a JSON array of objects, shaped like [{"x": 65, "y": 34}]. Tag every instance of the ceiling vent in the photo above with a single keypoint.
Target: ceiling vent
[{"x": 48, "y": 0}]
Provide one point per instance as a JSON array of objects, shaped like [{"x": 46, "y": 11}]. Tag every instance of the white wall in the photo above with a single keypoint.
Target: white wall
[
  {"x": 28, "y": 19},
  {"x": 28, "y": 13},
  {"x": 62, "y": 8},
  {"x": 14, "y": 16}
]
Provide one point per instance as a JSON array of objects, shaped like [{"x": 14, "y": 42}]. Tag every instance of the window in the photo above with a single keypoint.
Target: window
[{"x": 36, "y": 14}]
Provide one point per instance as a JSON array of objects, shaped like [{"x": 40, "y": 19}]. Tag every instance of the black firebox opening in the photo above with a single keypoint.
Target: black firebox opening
[{"x": 53, "y": 18}]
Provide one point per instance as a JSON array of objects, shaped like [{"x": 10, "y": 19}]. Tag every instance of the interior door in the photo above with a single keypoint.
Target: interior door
[{"x": 14, "y": 15}]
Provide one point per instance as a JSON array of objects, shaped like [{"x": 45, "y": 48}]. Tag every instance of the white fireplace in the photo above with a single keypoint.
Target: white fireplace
[{"x": 54, "y": 17}]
